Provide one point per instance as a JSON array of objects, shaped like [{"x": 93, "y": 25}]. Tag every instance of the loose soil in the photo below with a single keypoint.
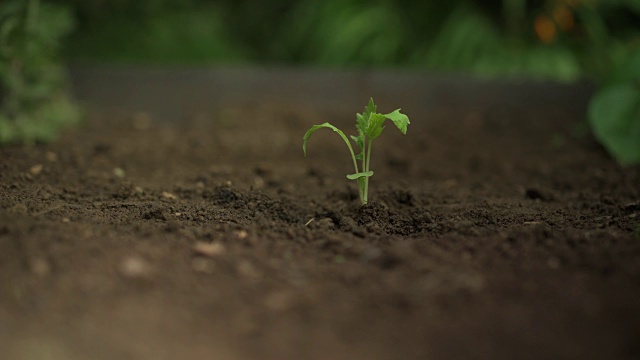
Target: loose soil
[{"x": 493, "y": 232}]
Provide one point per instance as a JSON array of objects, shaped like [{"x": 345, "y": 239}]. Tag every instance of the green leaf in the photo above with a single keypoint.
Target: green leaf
[
  {"x": 375, "y": 125},
  {"x": 399, "y": 119},
  {"x": 314, "y": 128},
  {"x": 363, "y": 120},
  {"x": 362, "y": 123},
  {"x": 371, "y": 107},
  {"x": 360, "y": 175},
  {"x": 359, "y": 140},
  {"x": 614, "y": 115}
]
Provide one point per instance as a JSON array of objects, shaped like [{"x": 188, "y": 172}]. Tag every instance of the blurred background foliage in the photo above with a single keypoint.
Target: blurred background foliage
[
  {"x": 551, "y": 39},
  {"x": 34, "y": 100},
  {"x": 558, "y": 40}
]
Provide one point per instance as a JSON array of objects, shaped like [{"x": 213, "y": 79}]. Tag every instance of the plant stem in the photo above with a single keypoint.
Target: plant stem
[
  {"x": 362, "y": 180},
  {"x": 366, "y": 186},
  {"x": 366, "y": 162}
]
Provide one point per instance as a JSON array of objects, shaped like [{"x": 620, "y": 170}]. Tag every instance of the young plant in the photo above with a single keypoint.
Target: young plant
[{"x": 369, "y": 125}]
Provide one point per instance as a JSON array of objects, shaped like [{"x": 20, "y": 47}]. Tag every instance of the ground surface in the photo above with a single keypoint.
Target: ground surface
[{"x": 495, "y": 231}]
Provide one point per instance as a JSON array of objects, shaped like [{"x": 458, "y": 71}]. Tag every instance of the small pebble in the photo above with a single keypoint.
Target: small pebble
[
  {"x": 240, "y": 234},
  {"x": 210, "y": 249},
  {"x": 135, "y": 267},
  {"x": 168, "y": 195},
  {"x": 119, "y": 173},
  {"x": 51, "y": 156},
  {"x": 36, "y": 169}
]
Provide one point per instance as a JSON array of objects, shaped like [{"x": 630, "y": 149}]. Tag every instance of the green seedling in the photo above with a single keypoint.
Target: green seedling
[{"x": 369, "y": 125}]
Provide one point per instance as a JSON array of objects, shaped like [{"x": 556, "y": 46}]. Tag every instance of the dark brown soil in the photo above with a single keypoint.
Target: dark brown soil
[{"x": 493, "y": 232}]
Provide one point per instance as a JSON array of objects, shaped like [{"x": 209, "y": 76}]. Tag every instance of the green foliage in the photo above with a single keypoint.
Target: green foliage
[
  {"x": 470, "y": 41},
  {"x": 35, "y": 105},
  {"x": 369, "y": 125},
  {"x": 614, "y": 112},
  {"x": 557, "y": 40},
  {"x": 344, "y": 32},
  {"x": 180, "y": 36},
  {"x": 498, "y": 38}
]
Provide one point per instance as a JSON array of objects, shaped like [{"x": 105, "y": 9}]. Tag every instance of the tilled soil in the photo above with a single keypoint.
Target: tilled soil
[{"x": 492, "y": 233}]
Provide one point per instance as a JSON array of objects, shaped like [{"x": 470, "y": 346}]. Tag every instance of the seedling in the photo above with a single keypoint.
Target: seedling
[{"x": 369, "y": 125}]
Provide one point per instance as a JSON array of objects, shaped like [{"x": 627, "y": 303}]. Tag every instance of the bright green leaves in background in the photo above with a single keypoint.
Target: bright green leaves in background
[
  {"x": 34, "y": 105},
  {"x": 369, "y": 125}
]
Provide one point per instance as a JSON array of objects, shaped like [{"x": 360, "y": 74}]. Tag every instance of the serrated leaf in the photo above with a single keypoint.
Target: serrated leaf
[
  {"x": 371, "y": 107},
  {"x": 399, "y": 119},
  {"x": 360, "y": 175},
  {"x": 359, "y": 140},
  {"x": 362, "y": 122},
  {"x": 375, "y": 125}
]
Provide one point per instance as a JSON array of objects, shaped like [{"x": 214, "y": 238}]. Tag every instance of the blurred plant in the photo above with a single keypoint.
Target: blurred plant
[
  {"x": 329, "y": 32},
  {"x": 614, "y": 110},
  {"x": 344, "y": 32},
  {"x": 159, "y": 32},
  {"x": 470, "y": 41},
  {"x": 35, "y": 104},
  {"x": 558, "y": 40},
  {"x": 613, "y": 57}
]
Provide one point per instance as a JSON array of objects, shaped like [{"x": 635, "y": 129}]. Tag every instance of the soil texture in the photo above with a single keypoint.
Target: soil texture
[{"x": 493, "y": 232}]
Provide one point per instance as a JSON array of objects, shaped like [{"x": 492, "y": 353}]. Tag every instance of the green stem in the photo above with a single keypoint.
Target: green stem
[
  {"x": 362, "y": 180},
  {"x": 366, "y": 168},
  {"x": 355, "y": 166}
]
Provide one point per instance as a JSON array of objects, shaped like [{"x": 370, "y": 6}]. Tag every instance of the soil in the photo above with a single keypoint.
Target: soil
[{"x": 494, "y": 231}]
